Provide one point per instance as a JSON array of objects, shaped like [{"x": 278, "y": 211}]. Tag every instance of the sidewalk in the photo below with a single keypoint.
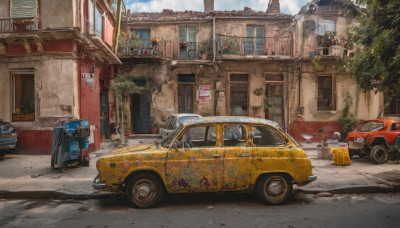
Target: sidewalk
[{"x": 31, "y": 177}]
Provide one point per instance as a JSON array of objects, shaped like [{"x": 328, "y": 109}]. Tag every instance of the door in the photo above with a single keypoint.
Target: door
[
  {"x": 104, "y": 123},
  {"x": 274, "y": 104},
  {"x": 185, "y": 98},
  {"x": 141, "y": 113},
  {"x": 237, "y": 158},
  {"x": 196, "y": 166}
]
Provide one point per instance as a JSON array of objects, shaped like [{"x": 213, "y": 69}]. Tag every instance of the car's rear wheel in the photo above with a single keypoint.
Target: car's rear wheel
[
  {"x": 379, "y": 154},
  {"x": 274, "y": 188},
  {"x": 145, "y": 190}
]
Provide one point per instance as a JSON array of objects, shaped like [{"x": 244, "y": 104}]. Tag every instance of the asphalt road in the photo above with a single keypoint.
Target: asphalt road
[{"x": 215, "y": 210}]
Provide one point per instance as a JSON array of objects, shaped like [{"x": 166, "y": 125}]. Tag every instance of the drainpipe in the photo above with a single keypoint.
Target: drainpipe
[
  {"x": 214, "y": 47},
  {"x": 215, "y": 72}
]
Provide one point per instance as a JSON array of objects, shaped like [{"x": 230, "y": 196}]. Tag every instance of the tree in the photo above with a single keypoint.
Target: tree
[{"x": 376, "y": 61}]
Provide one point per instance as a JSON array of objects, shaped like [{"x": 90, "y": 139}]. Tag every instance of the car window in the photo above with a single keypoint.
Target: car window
[
  {"x": 234, "y": 135},
  {"x": 172, "y": 125},
  {"x": 167, "y": 122},
  {"x": 198, "y": 136},
  {"x": 183, "y": 118},
  {"x": 265, "y": 136},
  {"x": 166, "y": 142},
  {"x": 395, "y": 127},
  {"x": 371, "y": 126}
]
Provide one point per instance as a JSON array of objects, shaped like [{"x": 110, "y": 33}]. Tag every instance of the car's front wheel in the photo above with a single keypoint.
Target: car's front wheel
[
  {"x": 274, "y": 188},
  {"x": 379, "y": 154},
  {"x": 145, "y": 190}
]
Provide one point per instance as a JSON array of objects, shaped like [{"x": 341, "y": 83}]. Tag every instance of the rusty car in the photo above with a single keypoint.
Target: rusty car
[
  {"x": 211, "y": 154},
  {"x": 8, "y": 137},
  {"x": 375, "y": 139}
]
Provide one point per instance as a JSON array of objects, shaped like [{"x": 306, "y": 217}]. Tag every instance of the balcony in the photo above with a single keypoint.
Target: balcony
[
  {"x": 331, "y": 45},
  {"x": 146, "y": 48},
  {"x": 254, "y": 46},
  {"x": 8, "y": 25}
]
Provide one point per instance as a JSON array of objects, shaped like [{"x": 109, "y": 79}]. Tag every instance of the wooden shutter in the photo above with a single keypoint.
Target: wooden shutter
[
  {"x": 182, "y": 34},
  {"x": 23, "y": 8}
]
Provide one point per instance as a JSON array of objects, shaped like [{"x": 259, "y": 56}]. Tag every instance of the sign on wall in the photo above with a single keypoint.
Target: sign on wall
[
  {"x": 89, "y": 78},
  {"x": 204, "y": 93}
]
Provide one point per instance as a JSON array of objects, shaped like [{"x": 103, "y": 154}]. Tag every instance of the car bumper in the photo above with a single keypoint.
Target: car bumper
[
  {"x": 312, "y": 178},
  {"x": 97, "y": 184}
]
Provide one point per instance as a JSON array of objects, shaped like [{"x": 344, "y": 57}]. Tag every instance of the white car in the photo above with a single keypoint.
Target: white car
[{"x": 174, "y": 120}]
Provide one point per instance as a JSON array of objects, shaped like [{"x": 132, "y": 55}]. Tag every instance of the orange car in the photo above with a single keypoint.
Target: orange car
[{"x": 375, "y": 138}]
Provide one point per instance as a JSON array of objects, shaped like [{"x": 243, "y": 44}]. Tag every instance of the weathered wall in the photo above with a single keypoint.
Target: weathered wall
[
  {"x": 4, "y": 9},
  {"x": 61, "y": 14}
]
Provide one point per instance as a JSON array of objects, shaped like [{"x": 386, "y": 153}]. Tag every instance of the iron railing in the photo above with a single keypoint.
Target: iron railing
[
  {"x": 19, "y": 24},
  {"x": 235, "y": 45},
  {"x": 166, "y": 49}
]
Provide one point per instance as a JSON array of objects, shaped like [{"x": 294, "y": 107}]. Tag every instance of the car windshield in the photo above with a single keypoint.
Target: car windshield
[
  {"x": 370, "y": 126},
  {"x": 167, "y": 140},
  {"x": 184, "y": 118}
]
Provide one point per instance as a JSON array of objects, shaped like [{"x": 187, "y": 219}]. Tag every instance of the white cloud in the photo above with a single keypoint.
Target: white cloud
[{"x": 287, "y": 6}]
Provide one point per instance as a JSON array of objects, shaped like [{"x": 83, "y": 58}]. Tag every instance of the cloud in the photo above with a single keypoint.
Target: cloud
[{"x": 287, "y": 6}]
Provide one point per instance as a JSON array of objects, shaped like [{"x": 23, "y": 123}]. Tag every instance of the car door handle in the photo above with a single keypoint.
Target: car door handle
[{"x": 216, "y": 156}]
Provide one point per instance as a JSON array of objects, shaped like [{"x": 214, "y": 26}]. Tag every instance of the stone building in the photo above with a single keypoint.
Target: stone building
[
  {"x": 246, "y": 63},
  {"x": 56, "y": 62}
]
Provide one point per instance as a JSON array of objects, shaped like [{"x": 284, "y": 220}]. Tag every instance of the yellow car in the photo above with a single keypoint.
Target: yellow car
[{"x": 210, "y": 154}]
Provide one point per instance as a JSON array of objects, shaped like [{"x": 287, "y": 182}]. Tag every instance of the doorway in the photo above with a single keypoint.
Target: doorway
[
  {"x": 141, "y": 113},
  {"x": 274, "y": 104},
  {"x": 104, "y": 122},
  {"x": 185, "y": 98}
]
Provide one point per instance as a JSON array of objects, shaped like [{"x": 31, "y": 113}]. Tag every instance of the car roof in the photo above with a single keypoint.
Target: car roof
[
  {"x": 178, "y": 115},
  {"x": 229, "y": 119}
]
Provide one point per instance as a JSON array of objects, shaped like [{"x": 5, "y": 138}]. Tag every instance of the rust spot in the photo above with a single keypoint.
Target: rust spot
[{"x": 205, "y": 181}]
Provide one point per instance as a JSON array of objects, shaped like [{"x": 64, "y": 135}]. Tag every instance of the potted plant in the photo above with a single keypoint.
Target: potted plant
[
  {"x": 128, "y": 131},
  {"x": 183, "y": 45},
  {"x": 155, "y": 41},
  {"x": 154, "y": 128},
  {"x": 206, "y": 49},
  {"x": 258, "y": 91}
]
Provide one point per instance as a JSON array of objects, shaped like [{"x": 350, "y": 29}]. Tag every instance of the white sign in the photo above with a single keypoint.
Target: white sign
[
  {"x": 204, "y": 93},
  {"x": 87, "y": 75}
]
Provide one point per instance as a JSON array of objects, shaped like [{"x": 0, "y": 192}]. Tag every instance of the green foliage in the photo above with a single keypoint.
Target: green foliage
[
  {"x": 347, "y": 121},
  {"x": 230, "y": 46},
  {"x": 123, "y": 84},
  {"x": 206, "y": 47},
  {"x": 376, "y": 61}
]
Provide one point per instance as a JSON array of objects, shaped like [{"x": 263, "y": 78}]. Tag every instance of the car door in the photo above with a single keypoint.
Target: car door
[
  {"x": 237, "y": 157},
  {"x": 196, "y": 163}
]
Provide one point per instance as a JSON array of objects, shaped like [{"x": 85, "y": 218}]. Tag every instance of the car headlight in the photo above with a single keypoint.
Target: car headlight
[{"x": 14, "y": 134}]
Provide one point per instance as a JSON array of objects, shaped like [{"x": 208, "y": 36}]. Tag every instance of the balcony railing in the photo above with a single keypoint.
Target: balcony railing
[
  {"x": 19, "y": 24},
  {"x": 260, "y": 46},
  {"x": 146, "y": 48}
]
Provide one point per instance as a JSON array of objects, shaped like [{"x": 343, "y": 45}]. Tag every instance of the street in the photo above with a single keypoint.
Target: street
[{"x": 207, "y": 210}]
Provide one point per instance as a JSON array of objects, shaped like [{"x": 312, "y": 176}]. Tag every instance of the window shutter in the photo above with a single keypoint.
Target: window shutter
[
  {"x": 23, "y": 8},
  {"x": 260, "y": 31},
  {"x": 192, "y": 31},
  {"x": 249, "y": 31},
  {"x": 182, "y": 34}
]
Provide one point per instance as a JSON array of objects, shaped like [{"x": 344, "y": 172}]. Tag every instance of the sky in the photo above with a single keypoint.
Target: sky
[{"x": 287, "y": 6}]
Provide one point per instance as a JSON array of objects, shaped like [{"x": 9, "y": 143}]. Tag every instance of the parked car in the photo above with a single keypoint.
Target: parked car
[
  {"x": 173, "y": 121},
  {"x": 375, "y": 139},
  {"x": 210, "y": 154},
  {"x": 8, "y": 137}
]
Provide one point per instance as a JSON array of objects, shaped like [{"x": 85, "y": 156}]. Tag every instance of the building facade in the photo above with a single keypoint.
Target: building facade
[
  {"x": 245, "y": 63},
  {"x": 55, "y": 69}
]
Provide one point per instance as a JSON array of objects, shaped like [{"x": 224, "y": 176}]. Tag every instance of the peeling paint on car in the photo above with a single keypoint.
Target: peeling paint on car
[{"x": 209, "y": 169}]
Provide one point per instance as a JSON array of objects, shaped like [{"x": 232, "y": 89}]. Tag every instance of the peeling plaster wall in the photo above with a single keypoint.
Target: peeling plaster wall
[
  {"x": 63, "y": 10},
  {"x": 4, "y": 9},
  {"x": 55, "y": 90},
  {"x": 368, "y": 105}
]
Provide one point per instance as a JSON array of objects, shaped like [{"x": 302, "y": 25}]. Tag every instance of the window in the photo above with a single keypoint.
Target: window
[
  {"x": 325, "y": 26},
  {"x": 308, "y": 27},
  {"x": 234, "y": 135},
  {"x": 187, "y": 43},
  {"x": 264, "y": 136},
  {"x": 238, "y": 94},
  {"x": 201, "y": 136},
  {"x": 393, "y": 101},
  {"x": 325, "y": 93},
  {"x": 141, "y": 38},
  {"x": 95, "y": 20},
  {"x": 24, "y": 14},
  {"x": 23, "y": 97},
  {"x": 254, "y": 44}
]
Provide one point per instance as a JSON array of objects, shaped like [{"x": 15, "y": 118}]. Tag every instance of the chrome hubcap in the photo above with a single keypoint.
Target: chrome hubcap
[
  {"x": 143, "y": 190},
  {"x": 276, "y": 188}
]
